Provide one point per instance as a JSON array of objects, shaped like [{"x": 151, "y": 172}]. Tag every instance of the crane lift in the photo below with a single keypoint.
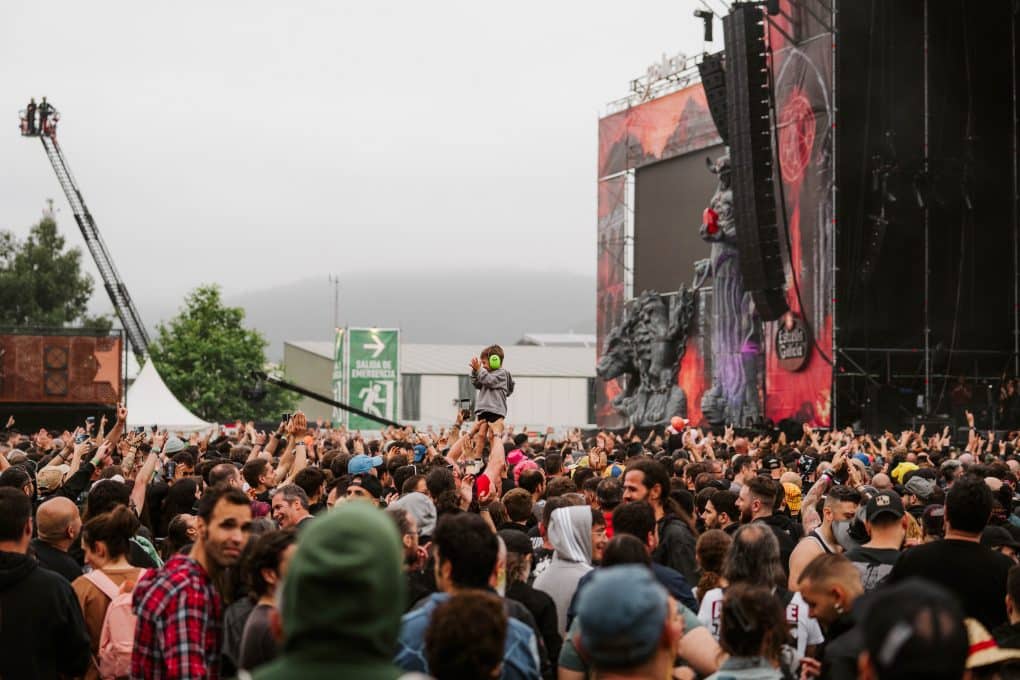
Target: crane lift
[{"x": 40, "y": 120}]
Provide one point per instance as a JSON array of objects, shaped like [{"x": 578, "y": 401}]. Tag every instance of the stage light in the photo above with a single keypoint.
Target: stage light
[{"x": 706, "y": 17}]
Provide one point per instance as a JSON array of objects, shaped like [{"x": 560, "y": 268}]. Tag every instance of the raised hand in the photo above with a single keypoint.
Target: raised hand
[{"x": 475, "y": 363}]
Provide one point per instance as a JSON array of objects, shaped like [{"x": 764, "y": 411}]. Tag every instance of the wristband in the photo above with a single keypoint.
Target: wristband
[
  {"x": 95, "y": 461},
  {"x": 156, "y": 449}
]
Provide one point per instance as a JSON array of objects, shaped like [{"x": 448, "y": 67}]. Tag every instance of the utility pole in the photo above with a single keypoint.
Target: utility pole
[{"x": 335, "y": 280}]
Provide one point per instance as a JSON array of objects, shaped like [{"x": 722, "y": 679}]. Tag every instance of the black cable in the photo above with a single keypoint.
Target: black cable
[{"x": 782, "y": 205}]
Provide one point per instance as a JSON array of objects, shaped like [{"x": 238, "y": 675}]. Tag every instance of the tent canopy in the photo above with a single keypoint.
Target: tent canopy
[{"x": 150, "y": 402}]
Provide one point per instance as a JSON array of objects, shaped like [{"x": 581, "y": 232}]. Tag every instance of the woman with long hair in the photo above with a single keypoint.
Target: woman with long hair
[
  {"x": 752, "y": 630},
  {"x": 106, "y": 540}
]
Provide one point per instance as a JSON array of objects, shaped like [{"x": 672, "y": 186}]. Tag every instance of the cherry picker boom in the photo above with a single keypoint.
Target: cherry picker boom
[{"x": 41, "y": 121}]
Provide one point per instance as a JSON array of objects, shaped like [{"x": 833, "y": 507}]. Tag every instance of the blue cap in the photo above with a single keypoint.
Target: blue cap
[
  {"x": 419, "y": 452},
  {"x": 361, "y": 464},
  {"x": 621, "y": 613},
  {"x": 863, "y": 458}
]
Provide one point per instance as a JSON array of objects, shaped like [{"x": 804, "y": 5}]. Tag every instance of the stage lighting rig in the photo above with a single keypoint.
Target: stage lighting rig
[{"x": 706, "y": 16}]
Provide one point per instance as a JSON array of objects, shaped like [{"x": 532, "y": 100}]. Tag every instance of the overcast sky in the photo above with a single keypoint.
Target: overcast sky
[{"x": 256, "y": 143}]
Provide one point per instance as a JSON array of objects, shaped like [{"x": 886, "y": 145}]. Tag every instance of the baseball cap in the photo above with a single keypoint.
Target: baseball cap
[
  {"x": 771, "y": 463},
  {"x": 515, "y": 457},
  {"x": 621, "y": 613},
  {"x": 996, "y": 537},
  {"x": 884, "y": 502},
  {"x": 362, "y": 463},
  {"x": 523, "y": 466},
  {"x": 174, "y": 445},
  {"x": 50, "y": 478},
  {"x": 419, "y": 452},
  {"x": 920, "y": 487},
  {"x": 369, "y": 483},
  {"x": 516, "y": 541},
  {"x": 900, "y": 637}
]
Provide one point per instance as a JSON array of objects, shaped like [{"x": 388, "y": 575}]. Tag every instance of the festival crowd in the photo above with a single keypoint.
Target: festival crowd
[{"x": 478, "y": 551}]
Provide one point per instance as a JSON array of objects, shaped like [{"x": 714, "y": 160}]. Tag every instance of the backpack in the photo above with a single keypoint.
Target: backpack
[{"x": 118, "y": 632}]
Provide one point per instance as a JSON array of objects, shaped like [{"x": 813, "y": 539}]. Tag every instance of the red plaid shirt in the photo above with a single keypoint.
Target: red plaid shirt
[{"x": 180, "y": 623}]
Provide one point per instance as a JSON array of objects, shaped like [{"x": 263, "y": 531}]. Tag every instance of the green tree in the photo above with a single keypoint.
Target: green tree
[
  {"x": 41, "y": 281},
  {"x": 206, "y": 355}
]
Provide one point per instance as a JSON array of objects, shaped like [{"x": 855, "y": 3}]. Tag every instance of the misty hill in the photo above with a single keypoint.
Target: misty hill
[{"x": 466, "y": 307}]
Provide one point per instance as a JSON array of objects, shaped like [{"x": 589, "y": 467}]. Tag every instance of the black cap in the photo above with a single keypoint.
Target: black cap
[
  {"x": 516, "y": 541},
  {"x": 771, "y": 463},
  {"x": 901, "y": 639},
  {"x": 996, "y": 537},
  {"x": 369, "y": 483},
  {"x": 884, "y": 502}
]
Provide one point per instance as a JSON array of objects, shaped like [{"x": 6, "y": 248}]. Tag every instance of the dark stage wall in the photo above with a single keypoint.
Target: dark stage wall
[
  {"x": 669, "y": 198},
  {"x": 969, "y": 192}
]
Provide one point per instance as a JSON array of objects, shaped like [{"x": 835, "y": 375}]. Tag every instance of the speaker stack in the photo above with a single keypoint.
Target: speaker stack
[{"x": 750, "y": 142}]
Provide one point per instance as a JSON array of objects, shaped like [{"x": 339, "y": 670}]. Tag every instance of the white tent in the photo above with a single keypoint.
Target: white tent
[{"x": 150, "y": 402}]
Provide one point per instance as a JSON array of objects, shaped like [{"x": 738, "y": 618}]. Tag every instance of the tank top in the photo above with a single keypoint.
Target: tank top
[{"x": 821, "y": 541}]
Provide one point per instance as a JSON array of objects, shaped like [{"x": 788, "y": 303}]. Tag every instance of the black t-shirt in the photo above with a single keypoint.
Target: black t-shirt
[
  {"x": 875, "y": 564},
  {"x": 56, "y": 560},
  {"x": 258, "y": 646},
  {"x": 974, "y": 573}
]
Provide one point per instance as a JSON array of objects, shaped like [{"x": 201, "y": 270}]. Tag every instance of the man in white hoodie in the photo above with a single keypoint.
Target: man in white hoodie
[{"x": 572, "y": 535}]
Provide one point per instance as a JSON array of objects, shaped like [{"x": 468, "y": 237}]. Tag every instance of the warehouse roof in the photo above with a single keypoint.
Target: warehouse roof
[
  {"x": 521, "y": 361},
  {"x": 559, "y": 339}
]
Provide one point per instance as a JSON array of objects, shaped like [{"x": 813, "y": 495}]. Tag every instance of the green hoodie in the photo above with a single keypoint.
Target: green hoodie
[{"x": 342, "y": 599}]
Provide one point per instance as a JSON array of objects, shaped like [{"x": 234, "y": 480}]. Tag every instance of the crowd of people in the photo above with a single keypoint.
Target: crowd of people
[{"x": 476, "y": 551}]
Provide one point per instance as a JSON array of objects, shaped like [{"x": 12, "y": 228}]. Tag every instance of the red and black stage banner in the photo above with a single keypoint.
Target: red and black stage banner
[{"x": 798, "y": 376}]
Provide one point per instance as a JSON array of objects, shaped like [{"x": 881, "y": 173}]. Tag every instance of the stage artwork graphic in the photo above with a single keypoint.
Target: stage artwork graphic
[
  {"x": 643, "y": 354},
  {"x": 733, "y": 397}
]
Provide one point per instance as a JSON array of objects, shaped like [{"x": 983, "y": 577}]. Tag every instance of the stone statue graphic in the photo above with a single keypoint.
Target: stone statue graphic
[{"x": 736, "y": 330}]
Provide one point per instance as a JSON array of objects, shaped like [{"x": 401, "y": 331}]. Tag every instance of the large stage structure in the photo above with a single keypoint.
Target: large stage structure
[{"x": 850, "y": 248}]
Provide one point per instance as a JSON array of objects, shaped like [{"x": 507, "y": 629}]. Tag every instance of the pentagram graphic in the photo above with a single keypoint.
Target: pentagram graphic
[{"x": 796, "y": 135}]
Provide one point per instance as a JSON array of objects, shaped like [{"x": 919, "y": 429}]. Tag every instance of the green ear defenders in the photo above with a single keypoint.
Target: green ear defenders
[{"x": 494, "y": 362}]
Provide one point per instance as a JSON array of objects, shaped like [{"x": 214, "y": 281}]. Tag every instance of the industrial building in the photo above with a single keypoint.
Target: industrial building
[{"x": 554, "y": 383}]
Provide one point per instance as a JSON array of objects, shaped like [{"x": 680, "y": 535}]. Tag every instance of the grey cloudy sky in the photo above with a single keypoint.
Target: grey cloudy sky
[{"x": 255, "y": 143}]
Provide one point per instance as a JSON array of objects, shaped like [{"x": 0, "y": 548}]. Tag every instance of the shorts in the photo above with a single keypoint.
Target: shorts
[{"x": 488, "y": 416}]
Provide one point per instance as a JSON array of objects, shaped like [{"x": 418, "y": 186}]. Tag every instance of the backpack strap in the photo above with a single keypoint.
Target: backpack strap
[{"x": 105, "y": 584}]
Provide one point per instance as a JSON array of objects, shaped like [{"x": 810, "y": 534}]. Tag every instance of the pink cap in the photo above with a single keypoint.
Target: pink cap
[
  {"x": 522, "y": 466},
  {"x": 515, "y": 457}
]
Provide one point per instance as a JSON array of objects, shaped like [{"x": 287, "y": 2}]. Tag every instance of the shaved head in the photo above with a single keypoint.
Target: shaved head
[
  {"x": 882, "y": 482},
  {"x": 55, "y": 517}
]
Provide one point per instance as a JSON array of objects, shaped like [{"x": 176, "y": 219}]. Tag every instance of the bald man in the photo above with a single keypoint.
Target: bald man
[
  {"x": 226, "y": 472},
  {"x": 58, "y": 523},
  {"x": 882, "y": 482}
]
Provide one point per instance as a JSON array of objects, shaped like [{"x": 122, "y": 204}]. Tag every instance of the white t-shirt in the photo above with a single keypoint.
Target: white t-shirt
[{"x": 805, "y": 630}]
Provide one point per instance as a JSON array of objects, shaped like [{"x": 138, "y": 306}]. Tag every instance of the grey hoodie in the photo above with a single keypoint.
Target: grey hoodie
[
  {"x": 422, "y": 508},
  {"x": 570, "y": 534},
  {"x": 493, "y": 389}
]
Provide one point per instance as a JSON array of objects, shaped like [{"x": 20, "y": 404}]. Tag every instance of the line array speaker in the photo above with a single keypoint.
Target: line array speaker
[
  {"x": 713, "y": 79},
  {"x": 750, "y": 142}
]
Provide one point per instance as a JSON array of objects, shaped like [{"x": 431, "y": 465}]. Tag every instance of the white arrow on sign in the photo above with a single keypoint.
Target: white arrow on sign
[{"x": 377, "y": 347}]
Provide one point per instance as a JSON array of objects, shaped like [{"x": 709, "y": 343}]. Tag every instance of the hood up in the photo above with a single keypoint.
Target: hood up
[
  {"x": 342, "y": 598},
  {"x": 570, "y": 533}
]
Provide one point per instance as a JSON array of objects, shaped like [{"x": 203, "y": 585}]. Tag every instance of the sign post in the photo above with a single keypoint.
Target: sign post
[
  {"x": 372, "y": 375},
  {"x": 339, "y": 415}
]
